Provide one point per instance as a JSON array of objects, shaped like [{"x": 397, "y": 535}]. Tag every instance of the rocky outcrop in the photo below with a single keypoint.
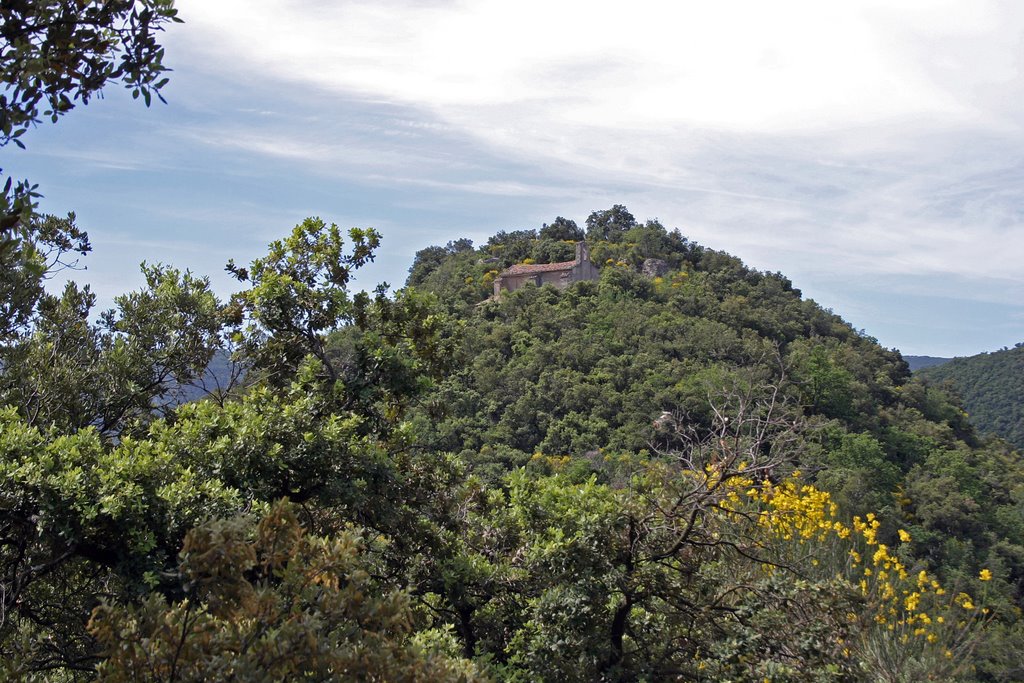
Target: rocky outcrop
[{"x": 654, "y": 267}]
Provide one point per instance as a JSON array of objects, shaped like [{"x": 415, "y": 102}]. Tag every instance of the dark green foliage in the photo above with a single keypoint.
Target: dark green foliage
[
  {"x": 566, "y": 373},
  {"x": 55, "y": 53},
  {"x": 609, "y": 225},
  {"x": 427, "y": 260},
  {"x": 562, "y": 229},
  {"x": 68, "y": 373},
  {"x": 586, "y": 373},
  {"x": 98, "y": 492},
  {"x": 990, "y": 385},
  {"x": 26, "y": 265},
  {"x": 566, "y": 578}
]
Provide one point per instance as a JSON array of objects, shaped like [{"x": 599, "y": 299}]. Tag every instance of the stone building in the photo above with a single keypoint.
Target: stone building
[{"x": 561, "y": 275}]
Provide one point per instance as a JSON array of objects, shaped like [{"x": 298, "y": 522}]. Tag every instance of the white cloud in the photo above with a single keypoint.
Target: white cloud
[
  {"x": 748, "y": 66},
  {"x": 864, "y": 136}
]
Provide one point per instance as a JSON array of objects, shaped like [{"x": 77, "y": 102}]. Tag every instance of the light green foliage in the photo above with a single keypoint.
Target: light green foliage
[
  {"x": 69, "y": 373},
  {"x": 99, "y": 493},
  {"x": 118, "y": 513},
  {"x": 82, "y": 519},
  {"x": 564, "y": 578},
  {"x": 297, "y": 294},
  {"x": 858, "y": 471},
  {"x": 579, "y": 581},
  {"x": 827, "y": 387}
]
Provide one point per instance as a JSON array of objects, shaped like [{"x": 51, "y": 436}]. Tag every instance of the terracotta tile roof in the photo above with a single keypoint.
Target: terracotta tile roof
[{"x": 527, "y": 268}]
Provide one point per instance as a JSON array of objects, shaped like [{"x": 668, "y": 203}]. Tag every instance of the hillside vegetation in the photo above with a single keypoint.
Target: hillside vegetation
[
  {"x": 697, "y": 476},
  {"x": 992, "y": 388},
  {"x": 577, "y": 380}
]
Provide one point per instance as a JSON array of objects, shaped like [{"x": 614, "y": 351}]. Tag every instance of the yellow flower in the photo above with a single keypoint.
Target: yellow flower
[
  {"x": 904, "y": 536},
  {"x": 985, "y": 575}
]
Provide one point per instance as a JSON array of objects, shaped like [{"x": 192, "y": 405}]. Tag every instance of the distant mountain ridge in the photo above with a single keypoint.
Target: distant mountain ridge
[
  {"x": 921, "y": 362},
  {"x": 992, "y": 388}
]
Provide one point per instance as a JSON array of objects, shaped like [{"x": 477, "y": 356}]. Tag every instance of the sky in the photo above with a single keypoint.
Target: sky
[{"x": 872, "y": 151}]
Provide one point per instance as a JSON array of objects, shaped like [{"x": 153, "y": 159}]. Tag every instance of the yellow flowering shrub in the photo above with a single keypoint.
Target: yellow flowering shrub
[{"x": 908, "y": 618}]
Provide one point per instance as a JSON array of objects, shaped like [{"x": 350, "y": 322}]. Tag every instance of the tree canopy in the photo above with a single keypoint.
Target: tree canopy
[{"x": 56, "y": 53}]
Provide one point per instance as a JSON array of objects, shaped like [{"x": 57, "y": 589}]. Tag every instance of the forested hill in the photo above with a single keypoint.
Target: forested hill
[
  {"x": 992, "y": 388},
  {"x": 565, "y": 373},
  {"x": 623, "y": 365}
]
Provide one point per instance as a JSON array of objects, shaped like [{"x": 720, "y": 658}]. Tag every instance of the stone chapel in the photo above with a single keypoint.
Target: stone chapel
[{"x": 561, "y": 275}]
